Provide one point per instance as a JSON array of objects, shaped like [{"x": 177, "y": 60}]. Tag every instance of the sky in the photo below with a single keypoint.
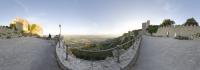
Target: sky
[{"x": 97, "y": 17}]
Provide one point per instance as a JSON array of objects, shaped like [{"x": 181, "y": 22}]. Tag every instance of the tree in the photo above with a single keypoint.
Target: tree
[
  {"x": 152, "y": 29},
  {"x": 13, "y": 26},
  {"x": 167, "y": 22},
  {"x": 29, "y": 27},
  {"x": 191, "y": 21}
]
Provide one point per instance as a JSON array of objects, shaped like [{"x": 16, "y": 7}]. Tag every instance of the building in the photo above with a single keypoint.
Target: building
[
  {"x": 145, "y": 25},
  {"x": 21, "y": 24}
]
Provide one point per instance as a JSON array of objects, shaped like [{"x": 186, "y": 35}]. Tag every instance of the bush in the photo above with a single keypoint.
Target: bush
[
  {"x": 152, "y": 29},
  {"x": 197, "y": 34},
  {"x": 8, "y": 37},
  {"x": 182, "y": 38},
  {"x": 91, "y": 55},
  {"x": 126, "y": 46}
]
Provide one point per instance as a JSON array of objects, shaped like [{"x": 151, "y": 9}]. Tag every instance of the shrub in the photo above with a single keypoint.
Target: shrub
[
  {"x": 182, "y": 38},
  {"x": 197, "y": 34},
  {"x": 13, "y": 26},
  {"x": 126, "y": 46},
  {"x": 90, "y": 55},
  {"x": 8, "y": 37},
  {"x": 152, "y": 29}
]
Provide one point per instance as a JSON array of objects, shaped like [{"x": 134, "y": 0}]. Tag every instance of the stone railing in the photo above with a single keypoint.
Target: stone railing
[
  {"x": 60, "y": 44},
  {"x": 124, "y": 61},
  {"x": 137, "y": 45}
]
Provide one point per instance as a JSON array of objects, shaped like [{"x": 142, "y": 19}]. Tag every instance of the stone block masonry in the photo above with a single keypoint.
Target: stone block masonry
[{"x": 172, "y": 31}]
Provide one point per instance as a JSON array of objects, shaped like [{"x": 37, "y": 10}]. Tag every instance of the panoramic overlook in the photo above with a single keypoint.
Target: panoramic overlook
[{"x": 99, "y": 35}]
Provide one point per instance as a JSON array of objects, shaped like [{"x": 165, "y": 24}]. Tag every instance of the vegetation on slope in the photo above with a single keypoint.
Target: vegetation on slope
[
  {"x": 103, "y": 45},
  {"x": 152, "y": 29}
]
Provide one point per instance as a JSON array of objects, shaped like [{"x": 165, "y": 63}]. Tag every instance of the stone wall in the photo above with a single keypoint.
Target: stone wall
[{"x": 173, "y": 31}]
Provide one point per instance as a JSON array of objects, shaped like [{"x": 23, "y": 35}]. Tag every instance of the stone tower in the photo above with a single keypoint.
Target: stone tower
[{"x": 145, "y": 25}]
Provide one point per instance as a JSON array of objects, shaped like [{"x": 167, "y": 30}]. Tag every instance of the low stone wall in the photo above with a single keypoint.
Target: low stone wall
[
  {"x": 134, "y": 60},
  {"x": 127, "y": 59},
  {"x": 58, "y": 58}
]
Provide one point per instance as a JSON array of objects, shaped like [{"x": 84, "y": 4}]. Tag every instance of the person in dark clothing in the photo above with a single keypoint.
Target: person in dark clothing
[{"x": 49, "y": 37}]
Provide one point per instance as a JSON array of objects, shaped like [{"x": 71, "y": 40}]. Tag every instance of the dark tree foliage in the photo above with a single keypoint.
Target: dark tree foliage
[
  {"x": 13, "y": 26},
  {"x": 167, "y": 22},
  {"x": 191, "y": 22},
  {"x": 152, "y": 29}
]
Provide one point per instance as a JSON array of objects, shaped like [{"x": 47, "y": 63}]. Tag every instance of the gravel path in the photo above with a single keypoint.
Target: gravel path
[
  {"x": 27, "y": 54},
  {"x": 168, "y": 54}
]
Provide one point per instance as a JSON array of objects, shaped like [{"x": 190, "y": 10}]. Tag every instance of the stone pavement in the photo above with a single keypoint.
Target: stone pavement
[
  {"x": 168, "y": 54},
  {"x": 27, "y": 54}
]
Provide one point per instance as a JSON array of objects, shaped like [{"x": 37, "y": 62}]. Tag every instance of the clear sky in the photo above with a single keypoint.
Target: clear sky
[{"x": 97, "y": 16}]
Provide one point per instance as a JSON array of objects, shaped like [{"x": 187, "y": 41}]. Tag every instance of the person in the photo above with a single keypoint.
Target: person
[
  {"x": 167, "y": 34},
  {"x": 175, "y": 35},
  {"x": 49, "y": 37}
]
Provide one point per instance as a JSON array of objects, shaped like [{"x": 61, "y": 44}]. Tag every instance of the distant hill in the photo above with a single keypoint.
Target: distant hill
[{"x": 80, "y": 40}]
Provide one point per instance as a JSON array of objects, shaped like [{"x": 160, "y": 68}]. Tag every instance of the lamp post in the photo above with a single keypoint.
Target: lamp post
[
  {"x": 60, "y": 29},
  {"x": 59, "y": 35},
  {"x": 66, "y": 49}
]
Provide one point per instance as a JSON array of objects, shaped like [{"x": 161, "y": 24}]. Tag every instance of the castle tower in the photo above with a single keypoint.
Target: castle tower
[{"x": 145, "y": 25}]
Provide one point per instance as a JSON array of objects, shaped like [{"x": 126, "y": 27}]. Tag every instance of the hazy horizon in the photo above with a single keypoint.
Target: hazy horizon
[{"x": 104, "y": 35}]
